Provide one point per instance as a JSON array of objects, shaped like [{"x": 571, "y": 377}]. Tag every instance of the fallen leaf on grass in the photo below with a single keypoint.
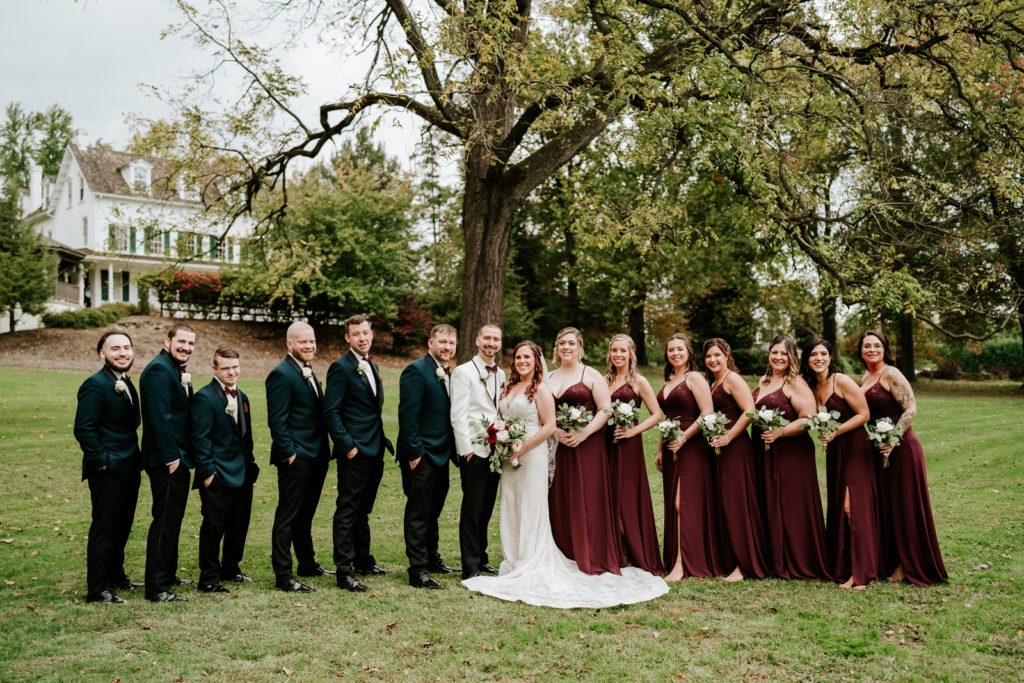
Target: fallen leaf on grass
[
  {"x": 8, "y": 540},
  {"x": 388, "y": 628},
  {"x": 288, "y": 672},
  {"x": 30, "y": 608},
  {"x": 34, "y": 553},
  {"x": 8, "y": 582}
]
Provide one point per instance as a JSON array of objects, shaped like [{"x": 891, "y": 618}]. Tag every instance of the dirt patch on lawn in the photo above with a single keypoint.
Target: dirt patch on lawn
[{"x": 260, "y": 344}]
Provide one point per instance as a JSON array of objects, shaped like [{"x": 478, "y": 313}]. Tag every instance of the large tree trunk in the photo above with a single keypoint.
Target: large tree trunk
[
  {"x": 829, "y": 328},
  {"x": 906, "y": 360},
  {"x": 487, "y": 213},
  {"x": 637, "y": 326}
]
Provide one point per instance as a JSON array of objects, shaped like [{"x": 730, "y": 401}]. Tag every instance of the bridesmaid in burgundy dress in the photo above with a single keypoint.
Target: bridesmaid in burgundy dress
[
  {"x": 742, "y": 519},
  {"x": 580, "y": 495},
  {"x": 692, "y": 546},
  {"x": 633, "y": 511},
  {"x": 852, "y": 533},
  {"x": 796, "y": 528},
  {"x": 910, "y": 547}
]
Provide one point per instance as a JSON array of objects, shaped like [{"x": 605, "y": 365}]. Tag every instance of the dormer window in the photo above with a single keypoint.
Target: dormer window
[
  {"x": 140, "y": 176},
  {"x": 187, "y": 190}
]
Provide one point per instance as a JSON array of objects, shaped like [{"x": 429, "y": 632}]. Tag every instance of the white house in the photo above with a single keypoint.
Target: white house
[{"x": 112, "y": 217}]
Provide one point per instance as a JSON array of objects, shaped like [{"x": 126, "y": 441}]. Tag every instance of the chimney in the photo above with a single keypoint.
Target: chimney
[{"x": 35, "y": 187}]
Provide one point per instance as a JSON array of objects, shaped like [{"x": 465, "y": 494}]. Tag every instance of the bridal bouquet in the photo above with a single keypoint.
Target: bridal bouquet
[
  {"x": 884, "y": 433},
  {"x": 573, "y": 418},
  {"x": 767, "y": 419},
  {"x": 670, "y": 430},
  {"x": 502, "y": 438},
  {"x": 713, "y": 425},
  {"x": 825, "y": 421},
  {"x": 623, "y": 414}
]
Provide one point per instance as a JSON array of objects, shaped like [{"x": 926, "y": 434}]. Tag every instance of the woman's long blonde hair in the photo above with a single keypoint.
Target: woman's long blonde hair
[
  {"x": 793, "y": 371},
  {"x": 630, "y": 364},
  {"x": 565, "y": 331}
]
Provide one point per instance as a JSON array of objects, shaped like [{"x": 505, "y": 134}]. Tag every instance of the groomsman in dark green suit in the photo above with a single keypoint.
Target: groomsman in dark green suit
[
  {"x": 352, "y": 409},
  {"x": 166, "y": 389},
  {"x": 225, "y": 471},
  {"x": 106, "y": 424},
  {"x": 425, "y": 445},
  {"x": 302, "y": 454}
]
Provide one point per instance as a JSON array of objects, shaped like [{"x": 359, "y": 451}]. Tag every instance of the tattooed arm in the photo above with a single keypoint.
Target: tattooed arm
[{"x": 900, "y": 389}]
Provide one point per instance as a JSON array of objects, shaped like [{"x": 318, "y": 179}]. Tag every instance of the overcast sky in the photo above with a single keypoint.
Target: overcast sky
[{"x": 92, "y": 56}]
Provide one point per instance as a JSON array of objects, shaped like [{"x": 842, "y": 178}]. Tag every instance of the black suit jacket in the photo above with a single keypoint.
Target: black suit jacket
[
  {"x": 352, "y": 412},
  {"x": 220, "y": 445},
  {"x": 106, "y": 425},
  {"x": 424, "y": 419},
  {"x": 165, "y": 414},
  {"x": 295, "y": 415}
]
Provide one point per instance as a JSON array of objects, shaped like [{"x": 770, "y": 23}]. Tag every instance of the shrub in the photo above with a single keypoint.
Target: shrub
[
  {"x": 1000, "y": 357},
  {"x": 87, "y": 318}
]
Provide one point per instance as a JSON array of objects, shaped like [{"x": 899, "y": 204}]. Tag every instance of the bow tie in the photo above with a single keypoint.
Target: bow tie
[
  {"x": 491, "y": 368},
  {"x": 447, "y": 370},
  {"x": 182, "y": 368},
  {"x": 368, "y": 358},
  {"x": 233, "y": 393}
]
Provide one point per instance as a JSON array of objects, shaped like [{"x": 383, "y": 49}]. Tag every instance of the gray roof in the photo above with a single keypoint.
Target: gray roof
[{"x": 102, "y": 170}]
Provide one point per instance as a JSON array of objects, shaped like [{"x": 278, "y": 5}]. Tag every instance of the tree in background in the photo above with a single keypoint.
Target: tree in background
[
  {"x": 33, "y": 137},
  {"x": 27, "y": 267}
]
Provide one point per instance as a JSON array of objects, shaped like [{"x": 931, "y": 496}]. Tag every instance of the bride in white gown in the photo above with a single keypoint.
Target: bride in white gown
[{"x": 534, "y": 569}]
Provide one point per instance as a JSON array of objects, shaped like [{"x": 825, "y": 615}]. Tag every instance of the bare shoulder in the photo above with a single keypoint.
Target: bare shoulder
[
  {"x": 696, "y": 380},
  {"x": 593, "y": 375},
  {"x": 643, "y": 385},
  {"x": 845, "y": 384}
]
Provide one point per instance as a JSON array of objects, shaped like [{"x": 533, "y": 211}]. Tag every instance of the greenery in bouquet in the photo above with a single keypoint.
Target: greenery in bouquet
[
  {"x": 712, "y": 426},
  {"x": 884, "y": 433},
  {"x": 573, "y": 418},
  {"x": 503, "y": 439},
  {"x": 623, "y": 414}
]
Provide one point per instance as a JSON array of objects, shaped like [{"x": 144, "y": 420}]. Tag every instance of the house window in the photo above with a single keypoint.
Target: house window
[
  {"x": 154, "y": 241},
  {"x": 126, "y": 289},
  {"x": 85, "y": 231},
  {"x": 104, "y": 285},
  {"x": 140, "y": 177},
  {"x": 81, "y": 189},
  {"x": 231, "y": 250},
  {"x": 117, "y": 238},
  {"x": 222, "y": 248}
]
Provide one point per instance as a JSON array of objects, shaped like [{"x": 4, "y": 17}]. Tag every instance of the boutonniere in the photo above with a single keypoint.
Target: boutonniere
[
  {"x": 307, "y": 372},
  {"x": 439, "y": 373},
  {"x": 231, "y": 408},
  {"x": 186, "y": 379},
  {"x": 363, "y": 367},
  {"x": 121, "y": 387},
  {"x": 484, "y": 375}
]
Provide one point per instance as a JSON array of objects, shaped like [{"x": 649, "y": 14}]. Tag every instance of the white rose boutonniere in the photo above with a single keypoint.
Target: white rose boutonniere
[
  {"x": 121, "y": 387},
  {"x": 307, "y": 372},
  {"x": 363, "y": 367},
  {"x": 231, "y": 408},
  {"x": 186, "y": 379},
  {"x": 484, "y": 375},
  {"x": 439, "y": 373}
]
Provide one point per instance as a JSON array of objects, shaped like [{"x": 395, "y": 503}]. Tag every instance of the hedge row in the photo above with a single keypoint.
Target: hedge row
[{"x": 86, "y": 318}]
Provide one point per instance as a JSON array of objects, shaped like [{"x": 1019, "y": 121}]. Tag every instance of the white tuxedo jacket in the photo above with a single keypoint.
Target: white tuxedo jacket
[{"x": 471, "y": 399}]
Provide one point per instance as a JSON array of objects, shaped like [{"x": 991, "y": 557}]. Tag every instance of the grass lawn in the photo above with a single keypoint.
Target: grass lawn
[{"x": 970, "y": 629}]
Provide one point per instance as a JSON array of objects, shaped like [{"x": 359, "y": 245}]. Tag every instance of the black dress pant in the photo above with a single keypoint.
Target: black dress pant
[
  {"x": 358, "y": 481},
  {"x": 170, "y": 495},
  {"x": 426, "y": 489},
  {"x": 114, "y": 497},
  {"x": 226, "y": 514},
  {"x": 479, "y": 491},
  {"x": 298, "y": 494}
]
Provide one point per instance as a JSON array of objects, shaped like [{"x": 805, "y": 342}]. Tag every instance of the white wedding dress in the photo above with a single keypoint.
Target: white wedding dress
[{"x": 534, "y": 570}]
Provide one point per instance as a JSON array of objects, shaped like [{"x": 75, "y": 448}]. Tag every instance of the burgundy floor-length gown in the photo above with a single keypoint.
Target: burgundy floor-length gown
[
  {"x": 742, "y": 524},
  {"x": 908, "y": 528},
  {"x": 694, "y": 528},
  {"x": 794, "y": 521},
  {"x": 633, "y": 512},
  {"x": 852, "y": 542},
  {"x": 580, "y": 496}
]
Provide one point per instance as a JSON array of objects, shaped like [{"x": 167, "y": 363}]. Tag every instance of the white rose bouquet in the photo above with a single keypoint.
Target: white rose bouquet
[
  {"x": 824, "y": 420},
  {"x": 572, "y": 418},
  {"x": 670, "y": 430},
  {"x": 884, "y": 433},
  {"x": 713, "y": 425},
  {"x": 767, "y": 419},
  {"x": 503, "y": 439},
  {"x": 623, "y": 414}
]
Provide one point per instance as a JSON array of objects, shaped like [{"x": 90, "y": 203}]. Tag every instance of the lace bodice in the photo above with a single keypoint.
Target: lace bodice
[{"x": 521, "y": 408}]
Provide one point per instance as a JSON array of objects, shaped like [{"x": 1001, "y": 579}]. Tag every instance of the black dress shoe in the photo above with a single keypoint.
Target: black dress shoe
[
  {"x": 469, "y": 575},
  {"x": 108, "y": 597},
  {"x": 211, "y": 588},
  {"x": 240, "y": 577},
  {"x": 376, "y": 570},
  {"x": 166, "y": 597},
  {"x": 178, "y": 581},
  {"x": 126, "y": 584},
  {"x": 315, "y": 571},
  {"x": 424, "y": 580},
  {"x": 439, "y": 567},
  {"x": 488, "y": 569},
  {"x": 350, "y": 583},
  {"x": 293, "y": 586}
]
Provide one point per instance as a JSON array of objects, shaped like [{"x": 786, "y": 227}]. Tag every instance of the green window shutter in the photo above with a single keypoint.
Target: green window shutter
[
  {"x": 167, "y": 242},
  {"x": 111, "y": 237},
  {"x": 213, "y": 247},
  {"x": 126, "y": 289},
  {"x": 131, "y": 241},
  {"x": 105, "y": 285},
  {"x": 231, "y": 251}
]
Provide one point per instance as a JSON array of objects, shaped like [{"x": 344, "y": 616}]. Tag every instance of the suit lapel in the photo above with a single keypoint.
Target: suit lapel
[
  {"x": 318, "y": 392},
  {"x": 354, "y": 362},
  {"x": 445, "y": 385},
  {"x": 224, "y": 404}
]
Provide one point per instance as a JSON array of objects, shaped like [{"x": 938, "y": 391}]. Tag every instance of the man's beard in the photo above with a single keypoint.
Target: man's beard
[{"x": 117, "y": 371}]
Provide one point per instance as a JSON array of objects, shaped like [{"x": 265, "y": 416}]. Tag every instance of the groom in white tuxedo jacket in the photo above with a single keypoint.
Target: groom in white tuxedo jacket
[{"x": 475, "y": 389}]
